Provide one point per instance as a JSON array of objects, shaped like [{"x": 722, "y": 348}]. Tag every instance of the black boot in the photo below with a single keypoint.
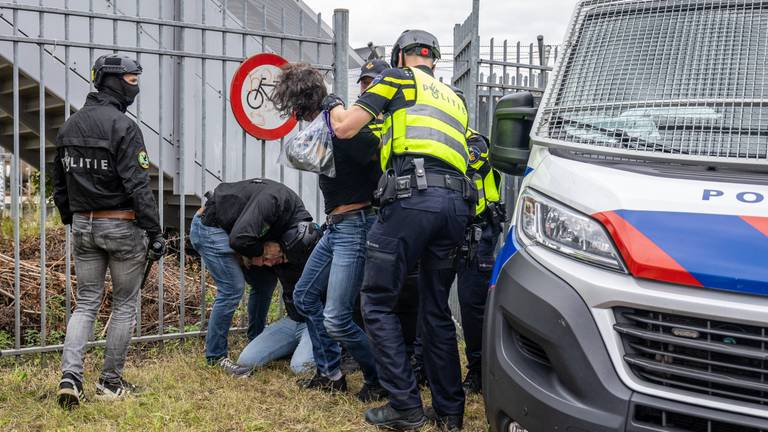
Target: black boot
[
  {"x": 449, "y": 423},
  {"x": 473, "y": 383},
  {"x": 320, "y": 382},
  {"x": 388, "y": 417},
  {"x": 372, "y": 393}
]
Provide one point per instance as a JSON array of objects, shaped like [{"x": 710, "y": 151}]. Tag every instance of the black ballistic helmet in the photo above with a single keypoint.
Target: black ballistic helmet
[
  {"x": 298, "y": 242},
  {"x": 113, "y": 64},
  {"x": 372, "y": 68},
  {"x": 412, "y": 38}
]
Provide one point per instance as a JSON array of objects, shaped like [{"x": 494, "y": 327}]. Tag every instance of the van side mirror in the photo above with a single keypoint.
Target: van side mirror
[{"x": 512, "y": 122}]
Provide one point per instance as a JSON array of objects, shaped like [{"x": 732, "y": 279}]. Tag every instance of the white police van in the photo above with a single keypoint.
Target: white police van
[{"x": 631, "y": 293}]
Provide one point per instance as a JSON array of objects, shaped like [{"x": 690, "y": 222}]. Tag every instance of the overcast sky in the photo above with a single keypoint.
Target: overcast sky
[{"x": 382, "y": 21}]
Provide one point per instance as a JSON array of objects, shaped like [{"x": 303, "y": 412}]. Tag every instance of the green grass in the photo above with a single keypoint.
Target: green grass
[{"x": 180, "y": 393}]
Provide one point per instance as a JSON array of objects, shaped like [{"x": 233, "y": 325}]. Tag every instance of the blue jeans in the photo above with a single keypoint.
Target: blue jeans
[
  {"x": 280, "y": 339},
  {"x": 335, "y": 269},
  {"x": 212, "y": 243}
]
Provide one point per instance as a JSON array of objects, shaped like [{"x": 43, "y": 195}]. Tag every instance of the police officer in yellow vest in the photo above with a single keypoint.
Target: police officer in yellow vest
[
  {"x": 475, "y": 272},
  {"x": 426, "y": 203}
]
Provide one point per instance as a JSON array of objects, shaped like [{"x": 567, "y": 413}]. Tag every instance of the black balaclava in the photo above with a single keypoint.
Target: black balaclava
[{"x": 115, "y": 86}]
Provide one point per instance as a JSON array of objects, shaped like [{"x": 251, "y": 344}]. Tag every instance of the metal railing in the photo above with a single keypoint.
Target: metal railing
[{"x": 189, "y": 50}]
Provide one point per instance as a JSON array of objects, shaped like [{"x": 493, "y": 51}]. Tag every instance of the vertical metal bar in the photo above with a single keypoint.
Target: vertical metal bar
[
  {"x": 15, "y": 186},
  {"x": 160, "y": 176},
  {"x": 114, "y": 24},
  {"x": 90, "y": 40},
  {"x": 474, "y": 64},
  {"x": 182, "y": 180},
  {"x": 340, "y": 55},
  {"x": 301, "y": 58},
  {"x": 530, "y": 62},
  {"x": 224, "y": 153},
  {"x": 491, "y": 82},
  {"x": 203, "y": 153},
  {"x": 43, "y": 208},
  {"x": 67, "y": 228},
  {"x": 282, "y": 53},
  {"x": 264, "y": 17},
  {"x": 243, "y": 137},
  {"x": 504, "y": 68},
  {"x": 518, "y": 77},
  {"x": 542, "y": 60},
  {"x": 138, "y": 121},
  {"x": 319, "y": 32}
]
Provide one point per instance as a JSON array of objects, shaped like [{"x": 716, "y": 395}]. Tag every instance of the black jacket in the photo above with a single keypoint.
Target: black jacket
[
  {"x": 254, "y": 211},
  {"x": 101, "y": 164}
]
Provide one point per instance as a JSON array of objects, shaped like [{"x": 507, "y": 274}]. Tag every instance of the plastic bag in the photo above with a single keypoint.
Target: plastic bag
[{"x": 312, "y": 148}]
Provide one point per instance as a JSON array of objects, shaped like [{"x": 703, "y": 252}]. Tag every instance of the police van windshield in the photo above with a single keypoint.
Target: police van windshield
[{"x": 683, "y": 78}]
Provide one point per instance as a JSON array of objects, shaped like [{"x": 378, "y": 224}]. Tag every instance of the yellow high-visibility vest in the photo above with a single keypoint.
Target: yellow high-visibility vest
[{"x": 434, "y": 126}]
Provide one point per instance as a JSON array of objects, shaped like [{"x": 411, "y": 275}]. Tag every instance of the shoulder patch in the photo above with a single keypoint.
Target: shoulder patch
[
  {"x": 143, "y": 159},
  {"x": 376, "y": 80},
  {"x": 474, "y": 154}
]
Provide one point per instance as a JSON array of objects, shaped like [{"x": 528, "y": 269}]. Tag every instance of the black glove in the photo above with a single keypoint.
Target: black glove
[
  {"x": 330, "y": 102},
  {"x": 156, "y": 247}
]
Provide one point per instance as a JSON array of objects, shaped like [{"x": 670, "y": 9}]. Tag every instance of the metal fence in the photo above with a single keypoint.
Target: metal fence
[
  {"x": 510, "y": 67},
  {"x": 189, "y": 50}
]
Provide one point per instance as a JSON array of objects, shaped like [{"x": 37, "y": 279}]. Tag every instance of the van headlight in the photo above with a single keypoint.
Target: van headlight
[{"x": 546, "y": 222}]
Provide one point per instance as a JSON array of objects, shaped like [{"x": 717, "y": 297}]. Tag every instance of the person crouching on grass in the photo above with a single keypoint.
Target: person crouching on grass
[{"x": 255, "y": 231}]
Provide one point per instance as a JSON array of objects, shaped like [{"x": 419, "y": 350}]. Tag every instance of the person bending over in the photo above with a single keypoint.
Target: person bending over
[{"x": 254, "y": 231}]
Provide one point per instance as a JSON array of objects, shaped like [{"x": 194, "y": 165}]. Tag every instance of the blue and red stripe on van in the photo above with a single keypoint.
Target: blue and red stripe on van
[{"x": 703, "y": 250}]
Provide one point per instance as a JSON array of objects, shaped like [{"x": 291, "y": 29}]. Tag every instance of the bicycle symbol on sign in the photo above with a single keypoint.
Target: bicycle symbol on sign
[{"x": 258, "y": 96}]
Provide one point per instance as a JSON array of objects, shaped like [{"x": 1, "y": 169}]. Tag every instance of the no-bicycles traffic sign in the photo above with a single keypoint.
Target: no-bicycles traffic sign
[{"x": 250, "y": 96}]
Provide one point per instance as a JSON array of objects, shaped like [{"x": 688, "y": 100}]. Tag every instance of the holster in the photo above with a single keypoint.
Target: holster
[
  {"x": 385, "y": 192},
  {"x": 468, "y": 251}
]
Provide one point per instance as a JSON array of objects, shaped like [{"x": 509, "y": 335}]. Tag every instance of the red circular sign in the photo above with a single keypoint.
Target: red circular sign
[{"x": 250, "y": 97}]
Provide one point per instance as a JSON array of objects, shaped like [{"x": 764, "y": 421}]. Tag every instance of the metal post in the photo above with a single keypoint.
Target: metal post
[
  {"x": 15, "y": 186},
  {"x": 542, "y": 60},
  {"x": 282, "y": 53},
  {"x": 243, "y": 136},
  {"x": 179, "y": 101},
  {"x": 340, "y": 54},
  {"x": 160, "y": 177},
  {"x": 68, "y": 228},
  {"x": 224, "y": 153},
  {"x": 43, "y": 202},
  {"x": 518, "y": 57},
  {"x": 474, "y": 64},
  {"x": 138, "y": 122},
  {"x": 203, "y": 147},
  {"x": 504, "y": 68},
  {"x": 530, "y": 62},
  {"x": 491, "y": 82}
]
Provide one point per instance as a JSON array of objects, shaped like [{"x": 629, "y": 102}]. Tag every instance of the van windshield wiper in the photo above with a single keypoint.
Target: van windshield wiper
[{"x": 625, "y": 139}]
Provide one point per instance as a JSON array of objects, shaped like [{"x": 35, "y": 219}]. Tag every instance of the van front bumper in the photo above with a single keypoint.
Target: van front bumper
[{"x": 546, "y": 366}]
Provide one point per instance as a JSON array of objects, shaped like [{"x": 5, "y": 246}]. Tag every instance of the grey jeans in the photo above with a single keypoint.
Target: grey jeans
[{"x": 121, "y": 246}]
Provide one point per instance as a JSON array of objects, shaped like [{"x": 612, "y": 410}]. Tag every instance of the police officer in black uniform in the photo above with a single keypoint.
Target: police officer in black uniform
[
  {"x": 476, "y": 267},
  {"x": 101, "y": 188},
  {"x": 426, "y": 202}
]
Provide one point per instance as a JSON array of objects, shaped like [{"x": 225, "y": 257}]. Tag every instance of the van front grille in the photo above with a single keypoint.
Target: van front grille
[{"x": 713, "y": 358}]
